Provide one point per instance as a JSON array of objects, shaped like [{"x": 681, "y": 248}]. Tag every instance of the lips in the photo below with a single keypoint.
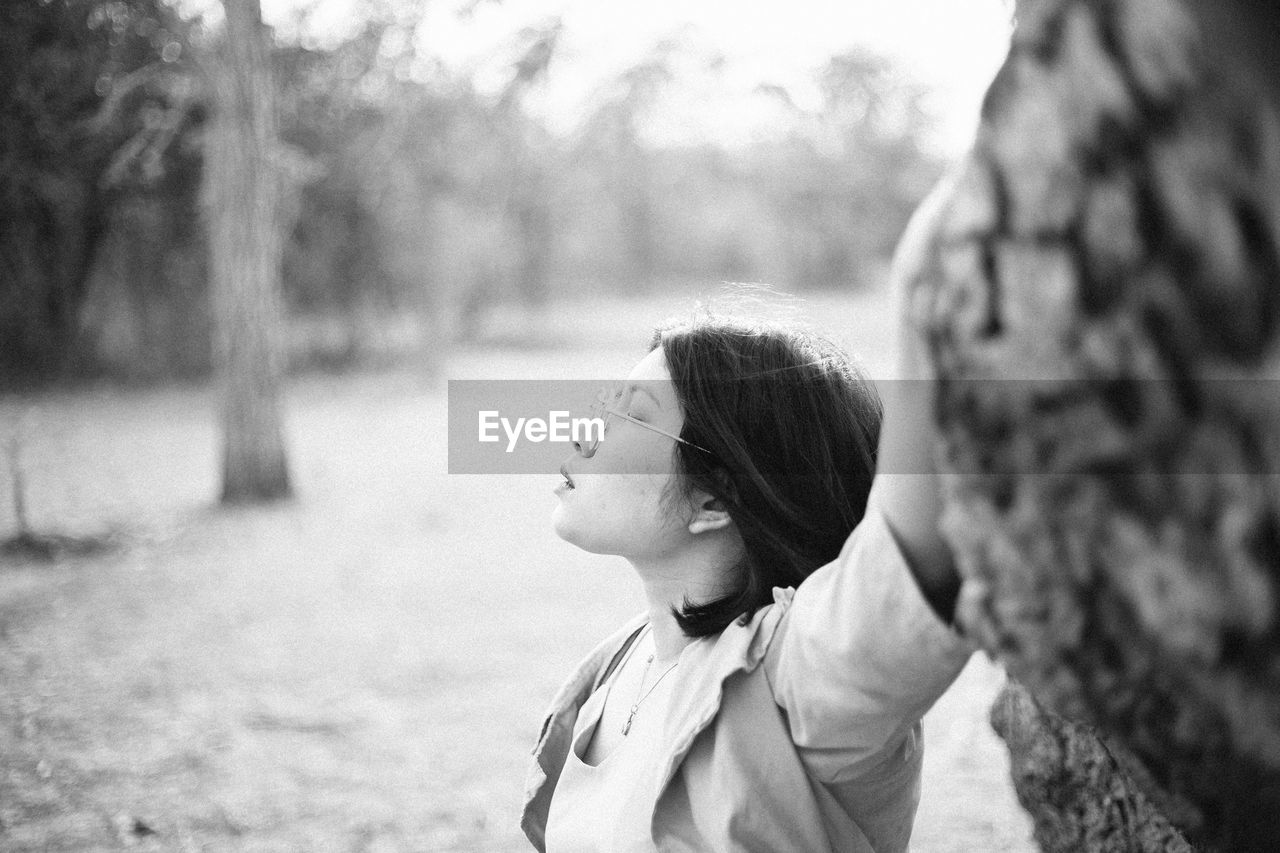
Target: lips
[{"x": 564, "y": 472}]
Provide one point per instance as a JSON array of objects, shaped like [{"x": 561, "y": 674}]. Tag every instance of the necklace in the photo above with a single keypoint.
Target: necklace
[{"x": 626, "y": 729}]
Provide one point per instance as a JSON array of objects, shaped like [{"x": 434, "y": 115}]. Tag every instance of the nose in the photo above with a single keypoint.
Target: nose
[{"x": 590, "y": 441}]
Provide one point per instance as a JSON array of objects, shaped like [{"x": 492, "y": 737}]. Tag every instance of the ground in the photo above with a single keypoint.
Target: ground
[{"x": 362, "y": 668}]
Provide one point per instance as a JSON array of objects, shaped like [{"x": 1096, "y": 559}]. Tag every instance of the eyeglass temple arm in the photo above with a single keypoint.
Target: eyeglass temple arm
[{"x": 658, "y": 430}]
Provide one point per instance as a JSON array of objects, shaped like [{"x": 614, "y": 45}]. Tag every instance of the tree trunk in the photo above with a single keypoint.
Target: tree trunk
[
  {"x": 1102, "y": 299},
  {"x": 1069, "y": 779},
  {"x": 242, "y": 194}
]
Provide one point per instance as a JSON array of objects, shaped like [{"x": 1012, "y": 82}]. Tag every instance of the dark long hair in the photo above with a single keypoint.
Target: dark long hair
[{"x": 791, "y": 426}]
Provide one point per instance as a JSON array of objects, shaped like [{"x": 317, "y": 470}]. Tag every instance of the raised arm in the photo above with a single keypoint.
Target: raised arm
[
  {"x": 908, "y": 489},
  {"x": 866, "y": 646}
]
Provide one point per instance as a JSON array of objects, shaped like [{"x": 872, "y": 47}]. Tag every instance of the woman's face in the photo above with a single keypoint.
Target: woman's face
[{"x": 625, "y": 499}]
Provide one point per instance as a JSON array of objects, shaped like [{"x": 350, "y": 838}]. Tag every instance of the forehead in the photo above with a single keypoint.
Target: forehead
[
  {"x": 652, "y": 374},
  {"x": 652, "y": 367}
]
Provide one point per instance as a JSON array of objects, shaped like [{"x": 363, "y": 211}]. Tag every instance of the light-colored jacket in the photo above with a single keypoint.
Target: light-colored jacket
[{"x": 796, "y": 730}]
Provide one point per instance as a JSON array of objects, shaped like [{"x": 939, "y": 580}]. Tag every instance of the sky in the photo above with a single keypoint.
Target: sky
[{"x": 951, "y": 47}]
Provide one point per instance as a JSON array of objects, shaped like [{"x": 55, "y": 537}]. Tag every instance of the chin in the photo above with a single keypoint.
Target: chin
[
  {"x": 576, "y": 536},
  {"x": 562, "y": 525}
]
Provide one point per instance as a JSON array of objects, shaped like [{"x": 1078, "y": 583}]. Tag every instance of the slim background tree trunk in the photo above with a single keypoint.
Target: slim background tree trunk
[{"x": 242, "y": 196}]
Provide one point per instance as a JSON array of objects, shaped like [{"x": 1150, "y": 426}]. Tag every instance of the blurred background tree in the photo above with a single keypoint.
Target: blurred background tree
[
  {"x": 247, "y": 183},
  {"x": 96, "y": 176},
  {"x": 424, "y": 203}
]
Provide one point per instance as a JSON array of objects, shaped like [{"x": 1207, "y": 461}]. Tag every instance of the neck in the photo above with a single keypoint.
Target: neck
[
  {"x": 668, "y": 639},
  {"x": 667, "y": 583}
]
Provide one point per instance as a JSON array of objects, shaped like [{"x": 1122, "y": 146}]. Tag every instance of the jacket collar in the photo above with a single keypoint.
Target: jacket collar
[
  {"x": 740, "y": 647},
  {"x": 557, "y": 729}
]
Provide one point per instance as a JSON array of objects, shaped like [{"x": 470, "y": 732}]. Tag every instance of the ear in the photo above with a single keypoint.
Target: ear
[{"x": 709, "y": 514}]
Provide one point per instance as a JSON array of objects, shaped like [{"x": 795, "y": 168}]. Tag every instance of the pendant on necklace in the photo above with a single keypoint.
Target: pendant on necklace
[{"x": 627, "y": 728}]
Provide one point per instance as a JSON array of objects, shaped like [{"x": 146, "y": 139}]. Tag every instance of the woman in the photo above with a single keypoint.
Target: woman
[{"x": 770, "y": 696}]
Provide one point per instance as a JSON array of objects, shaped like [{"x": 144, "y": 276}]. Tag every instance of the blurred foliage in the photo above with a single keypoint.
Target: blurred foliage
[
  {"x": 420, "y": 198},
  {"x": 95, "y": 136}
]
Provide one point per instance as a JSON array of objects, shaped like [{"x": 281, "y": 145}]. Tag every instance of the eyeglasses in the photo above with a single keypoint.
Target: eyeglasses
[{"x": 606, "y": 407}]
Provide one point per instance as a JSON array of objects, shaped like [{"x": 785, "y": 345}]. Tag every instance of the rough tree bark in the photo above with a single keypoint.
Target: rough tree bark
[
  {"x": 242, "y": 193},
  {"x": 1101, "y": 296}
]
